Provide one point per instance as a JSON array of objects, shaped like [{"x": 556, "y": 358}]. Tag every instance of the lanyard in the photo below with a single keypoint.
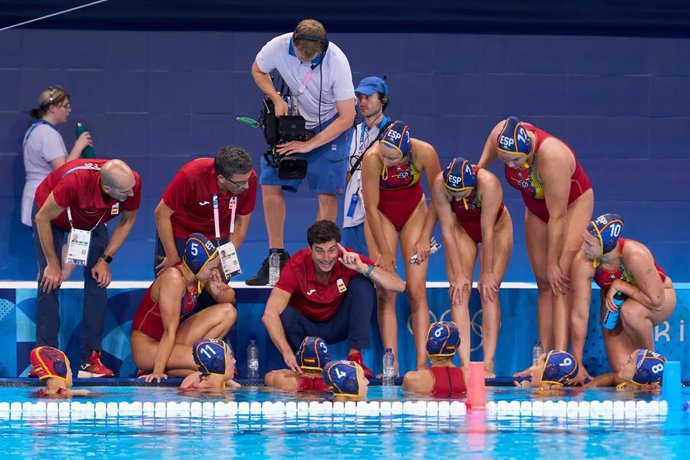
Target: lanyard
[
  {"x": 33, "y": 126},
  {"x": 69, "y": 216},
  {"x": 216, "y": 218},
  {"x": 305, "y": 82}
]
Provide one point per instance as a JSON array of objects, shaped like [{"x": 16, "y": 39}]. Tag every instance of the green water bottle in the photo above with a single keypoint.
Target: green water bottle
[{"x": 88, "y": 151}]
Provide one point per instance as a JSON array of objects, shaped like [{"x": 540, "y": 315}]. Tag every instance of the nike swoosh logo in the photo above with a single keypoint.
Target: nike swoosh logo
[
  {"x": 311, "y": 291},
  {"x": 203, "y": 203}
]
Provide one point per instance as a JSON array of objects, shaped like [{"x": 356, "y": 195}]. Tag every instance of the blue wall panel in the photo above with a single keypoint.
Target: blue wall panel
[
  {"x": 159, "y": 99},
  {"x": 517, "y": 335}
]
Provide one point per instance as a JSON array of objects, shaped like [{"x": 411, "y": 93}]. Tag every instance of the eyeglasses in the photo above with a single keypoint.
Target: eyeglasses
[
  {"x": 239, "y": 184},
  {"x": 65, "y": 106}
]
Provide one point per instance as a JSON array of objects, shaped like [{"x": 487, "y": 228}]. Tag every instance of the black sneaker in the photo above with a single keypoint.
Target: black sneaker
[{"x": 261, "y": 277}]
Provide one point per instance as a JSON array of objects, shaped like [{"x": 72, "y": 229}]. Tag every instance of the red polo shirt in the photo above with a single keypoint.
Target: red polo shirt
[
  {"x": 77, "y": 185},
  {"x": 315, "y": 300},
  {"x": 190, "y": 196}
]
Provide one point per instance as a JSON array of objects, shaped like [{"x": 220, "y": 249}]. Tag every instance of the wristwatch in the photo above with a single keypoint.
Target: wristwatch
[{"x": 106, "y": 258}]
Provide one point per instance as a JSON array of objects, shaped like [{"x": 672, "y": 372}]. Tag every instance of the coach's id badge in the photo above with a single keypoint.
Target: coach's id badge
[
  {"x": 229, "y": 260},
  {"x": 341, "y": 285},
  {"x": 78, "y": 247}
]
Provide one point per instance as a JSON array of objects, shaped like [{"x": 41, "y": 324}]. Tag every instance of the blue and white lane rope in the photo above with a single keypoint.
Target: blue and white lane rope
[{"x": 226, "y": 409}]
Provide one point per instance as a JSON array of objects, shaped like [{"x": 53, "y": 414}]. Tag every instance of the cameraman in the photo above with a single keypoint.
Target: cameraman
[{"x": 320, "y": 81}]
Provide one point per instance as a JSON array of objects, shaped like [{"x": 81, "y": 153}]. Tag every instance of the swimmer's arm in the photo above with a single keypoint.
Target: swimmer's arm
[
  {"x": 191, "y": 381},
  {"x": 604, "y": 380},
  {"x": 489, "y": 150},
  {"x": 169, "y": 297},
  {"x": 649, "y": 290},
  {"x": 281, "y": 379},
  {"x": 418, "y": 382},
  {"x": 81, "y": 392},
  {"x": 447, "y": 220},
  {"x": 582, "y": 273},
  {"x": 552, "y": 167},
  {"x": 218, "y": 288},
  {"x": 371, "y": 171},
  {"x": 428, "y": 158},
  {"x": 491, "y": 196}
]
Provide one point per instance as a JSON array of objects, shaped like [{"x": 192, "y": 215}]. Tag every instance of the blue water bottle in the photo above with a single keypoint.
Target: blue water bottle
[{"x": 610, "y": 318}]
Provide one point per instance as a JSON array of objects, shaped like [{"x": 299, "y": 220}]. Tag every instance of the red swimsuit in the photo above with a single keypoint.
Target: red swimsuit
[
  {"x": 471, "y": 218},
  {"x": 148, "y": 320},
  {"x": 399, "y": 192},
  {"x": 531, "y": 187},
  {"x": 448, "y": 381},
  {"x": 313, "y": 384},
  {"x": 605, "y": 278}
]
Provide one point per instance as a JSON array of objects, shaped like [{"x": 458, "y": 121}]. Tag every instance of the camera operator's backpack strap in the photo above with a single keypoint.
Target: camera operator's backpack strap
[{"x": 361, "y": 157}]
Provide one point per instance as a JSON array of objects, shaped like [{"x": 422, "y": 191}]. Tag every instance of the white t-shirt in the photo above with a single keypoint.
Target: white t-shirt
[
  {"x": 362, "y": 138},
  {"x": 42, "y": 144},
  {"x": 305, "y": 82}
]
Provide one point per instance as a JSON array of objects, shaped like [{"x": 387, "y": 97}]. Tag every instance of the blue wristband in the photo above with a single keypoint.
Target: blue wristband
[{"x": 369, "y": 271}]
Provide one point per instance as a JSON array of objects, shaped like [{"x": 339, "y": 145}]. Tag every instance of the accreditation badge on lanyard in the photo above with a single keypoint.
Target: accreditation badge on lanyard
[
  {"x": 227, "y": 252},
  {"x": 79, "y": 242}
]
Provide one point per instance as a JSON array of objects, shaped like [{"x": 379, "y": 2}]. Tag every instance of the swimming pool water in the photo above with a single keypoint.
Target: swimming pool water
[{"x": 340, "y": 436}]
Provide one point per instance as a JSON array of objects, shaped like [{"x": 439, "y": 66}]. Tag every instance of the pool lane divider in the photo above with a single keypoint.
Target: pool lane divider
[{"x": 77, "y": 410}]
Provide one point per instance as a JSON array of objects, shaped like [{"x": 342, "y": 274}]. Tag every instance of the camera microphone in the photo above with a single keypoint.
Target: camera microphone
[{"x": 248, "y": 121}]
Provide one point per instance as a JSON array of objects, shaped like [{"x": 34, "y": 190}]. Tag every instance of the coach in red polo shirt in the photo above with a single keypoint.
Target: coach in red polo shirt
[
  {"x": 325, "y": 291},
  {"x": 188, "y": 203},
  {"x": 82, "y": 195}
]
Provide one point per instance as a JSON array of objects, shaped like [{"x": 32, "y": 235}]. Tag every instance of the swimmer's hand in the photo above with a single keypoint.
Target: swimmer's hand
[{"x": 157, "y": 376}]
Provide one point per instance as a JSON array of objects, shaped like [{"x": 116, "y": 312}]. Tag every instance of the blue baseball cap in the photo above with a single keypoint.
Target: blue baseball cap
[
  {"x": 342, "y": 378},
  {"x": 559, "y": 366},
  {"x": 443, "y": 339},
  {"x": 313, "y": 354},
  {"x": 211, "y": 356},
  {"x": 607, "y": 228},
  {"x": 397, "y": 137},
  {"x": 513, "y": 138},
  {"x": 649, "y": 367},
  {"x": 459, "y": 175},
  {"x": 371, "y": 85},
  {"x": 198, "y": 251}
]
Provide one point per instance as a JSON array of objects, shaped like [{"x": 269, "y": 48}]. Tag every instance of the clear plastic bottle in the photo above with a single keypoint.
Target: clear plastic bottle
[
  {"x": 273, "y": 268},
  {"x": 388, "y": 368},
  {"x": 252, "y": 360},
  {"x": 537, "y": 351},
  {"x": 610, "y": 318}
]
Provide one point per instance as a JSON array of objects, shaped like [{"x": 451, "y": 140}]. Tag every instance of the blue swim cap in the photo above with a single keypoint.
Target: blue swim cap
[
  {"x": 559, "y": 366},
  {"x": 341, "y": 378},
  {"x": 397, "y": 137},
  {"x": 607, "y": 228},
  {"x": 197, "y": 252},
  {"x": 443, "y": 339},
  {"x": 649, "y": 367},
  {"x": 211, "y": 356},
  {"x": 313, "y": 354},
  {"x": 459, "y": 175},
  {"x": 513, "y": 138}
]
